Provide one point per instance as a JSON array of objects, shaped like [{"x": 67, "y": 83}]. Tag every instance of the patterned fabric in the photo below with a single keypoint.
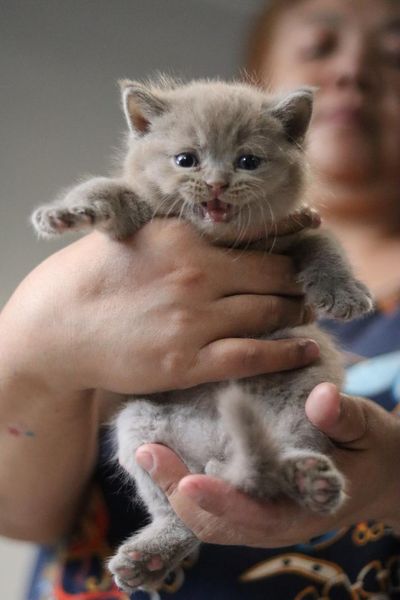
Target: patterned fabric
[{"x": 353, "y": 563}]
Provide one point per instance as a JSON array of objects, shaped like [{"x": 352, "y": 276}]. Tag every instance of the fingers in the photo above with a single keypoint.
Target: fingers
[
  {"x": 228, "y": 358},
  {"x": 340, "y": 417},
  {"x": 247, "y": 316},
  {"x": 253, "y": 272},
  {"x": 226, "y": 271},
  {"x": 306, "y": 218}
]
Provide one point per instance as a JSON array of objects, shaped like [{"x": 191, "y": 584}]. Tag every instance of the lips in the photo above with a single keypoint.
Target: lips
[{"x": 217, "y": 211}]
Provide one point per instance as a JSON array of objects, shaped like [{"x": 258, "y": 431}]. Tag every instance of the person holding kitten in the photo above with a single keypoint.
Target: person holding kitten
[{"x": 352, "y": 54}]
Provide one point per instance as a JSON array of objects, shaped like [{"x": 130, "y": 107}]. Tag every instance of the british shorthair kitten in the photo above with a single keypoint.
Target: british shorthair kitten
[{"x": 228, "y": 157}]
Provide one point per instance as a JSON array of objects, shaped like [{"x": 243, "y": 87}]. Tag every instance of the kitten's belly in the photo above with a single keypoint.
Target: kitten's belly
[{"x": 188, "y": 421}]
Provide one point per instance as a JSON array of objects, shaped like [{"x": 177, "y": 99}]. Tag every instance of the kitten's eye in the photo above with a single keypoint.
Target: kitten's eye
[
  {"x": 248, "y": 162},
  {"x": 186, "y": 160}
]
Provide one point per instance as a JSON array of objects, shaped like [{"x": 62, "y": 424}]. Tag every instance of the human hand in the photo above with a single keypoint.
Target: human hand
[
  {"x": 368, "y": 447},
  {"x": 162, "y": 310}
]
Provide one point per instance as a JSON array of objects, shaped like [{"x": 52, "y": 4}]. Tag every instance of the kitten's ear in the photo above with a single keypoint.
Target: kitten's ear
[
  {"x": 140, "y": 105},
  {"x": 294, "y": 112}
]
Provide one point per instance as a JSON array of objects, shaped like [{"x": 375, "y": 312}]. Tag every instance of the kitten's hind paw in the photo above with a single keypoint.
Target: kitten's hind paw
[
  {"x": 50, "y": 221},
  {"x": 314, "y": 482},
  {"x": 133, "y": 569}
]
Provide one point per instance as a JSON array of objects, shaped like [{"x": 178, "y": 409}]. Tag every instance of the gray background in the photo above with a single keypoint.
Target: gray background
[{"x": 60, "y": 114}]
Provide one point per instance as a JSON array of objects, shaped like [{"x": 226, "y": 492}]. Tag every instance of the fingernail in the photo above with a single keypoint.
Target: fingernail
[
  {"x": 145, "y": 460},
  {"x": 310, "y": 349}
]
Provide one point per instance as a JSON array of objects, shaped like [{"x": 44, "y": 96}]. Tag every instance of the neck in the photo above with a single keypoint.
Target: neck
[{"x": 367, "y": 223}]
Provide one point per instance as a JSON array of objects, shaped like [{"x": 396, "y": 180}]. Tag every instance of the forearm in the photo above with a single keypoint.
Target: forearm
[
  {"x": 43, "y": 475},
  {"x": 48, "y": 442}
]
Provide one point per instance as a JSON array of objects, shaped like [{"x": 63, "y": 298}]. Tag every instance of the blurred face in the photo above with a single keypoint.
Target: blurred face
[{"x": 349, "y": 50}]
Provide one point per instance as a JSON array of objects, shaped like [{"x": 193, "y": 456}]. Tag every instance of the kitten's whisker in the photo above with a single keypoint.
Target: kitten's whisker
[
  {"x": 171, "y": 210},
  {"x": 159, "y": 208},
  {"x": 182, "y": 209}
]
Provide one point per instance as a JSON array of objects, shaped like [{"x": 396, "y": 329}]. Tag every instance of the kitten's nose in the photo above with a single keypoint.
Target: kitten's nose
[{"x": 217, "y": 187}]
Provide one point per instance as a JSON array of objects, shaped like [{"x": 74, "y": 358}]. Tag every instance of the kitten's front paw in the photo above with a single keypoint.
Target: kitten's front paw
[
  {"x": 314, "y": 482},
  {"x": 344, "y": 300},
  {"x": 135, "y": 568},
  {"x": 50, "y": 221}
]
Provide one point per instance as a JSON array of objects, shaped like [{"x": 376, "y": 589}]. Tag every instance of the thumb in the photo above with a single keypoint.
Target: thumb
[
  {"x": 342, "y": 418},
  {"x": 164, "y": 466}
]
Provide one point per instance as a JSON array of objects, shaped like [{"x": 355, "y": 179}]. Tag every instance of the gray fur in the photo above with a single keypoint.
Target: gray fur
[{"x": 252, "y": 432}]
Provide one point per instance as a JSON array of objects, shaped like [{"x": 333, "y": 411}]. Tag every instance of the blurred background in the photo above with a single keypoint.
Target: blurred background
[{"x": 61, "y": 118}]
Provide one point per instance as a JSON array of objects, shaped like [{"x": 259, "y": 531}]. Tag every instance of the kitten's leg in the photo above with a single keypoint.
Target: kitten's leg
[
  {"x": 251, "y": 461},
  {"x": 310, "y": 478},
  {"x": 259, "y": 459},
  {"x": 146, "y": 558},
  {"x": 328, "y": 281},
  {"x": 102, "y": 203}
]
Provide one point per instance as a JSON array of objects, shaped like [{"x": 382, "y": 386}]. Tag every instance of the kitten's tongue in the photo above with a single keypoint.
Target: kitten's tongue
[{"x": 216, "y": 210}]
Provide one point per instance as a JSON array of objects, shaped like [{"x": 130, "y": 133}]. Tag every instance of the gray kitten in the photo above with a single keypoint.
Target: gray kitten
[{"x": 229, "y": 159}]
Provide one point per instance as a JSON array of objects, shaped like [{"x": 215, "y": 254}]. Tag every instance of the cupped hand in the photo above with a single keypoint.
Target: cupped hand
[
  {"x": 367, "y": 452},
  {"x": 160, "y": 311}
]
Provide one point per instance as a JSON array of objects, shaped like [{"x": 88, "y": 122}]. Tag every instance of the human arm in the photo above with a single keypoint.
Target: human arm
[
  {"x": 163, "y": 310},
  {"x": 367, "y": 452}
]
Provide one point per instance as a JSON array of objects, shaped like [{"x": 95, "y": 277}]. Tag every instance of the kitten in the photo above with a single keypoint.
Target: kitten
[{"x": 229, "y": 159}]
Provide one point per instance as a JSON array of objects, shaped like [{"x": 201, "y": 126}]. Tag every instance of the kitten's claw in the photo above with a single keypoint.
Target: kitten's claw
[
  {"x": 344, "y": 301},
  {"x": 314, "y": 482}
]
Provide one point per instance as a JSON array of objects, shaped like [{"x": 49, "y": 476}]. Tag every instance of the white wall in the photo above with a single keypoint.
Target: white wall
[{"x": 60, "y": 115}]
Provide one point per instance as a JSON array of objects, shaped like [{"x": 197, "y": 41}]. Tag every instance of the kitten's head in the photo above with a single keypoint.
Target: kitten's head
[{"x": 227, "y": 157}]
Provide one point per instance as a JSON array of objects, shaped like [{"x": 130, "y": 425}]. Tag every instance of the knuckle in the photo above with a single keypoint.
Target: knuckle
[
  {"x": 174, "y": 367},
  {"x": 180, "y": 320},
  {"x": 190, "y": 276},
  {"x": 206, "y": 533},
  {"x": 169, "y": 488},
  {"x": 177, "y": 367},
  {"x": 251, "y": 355}
]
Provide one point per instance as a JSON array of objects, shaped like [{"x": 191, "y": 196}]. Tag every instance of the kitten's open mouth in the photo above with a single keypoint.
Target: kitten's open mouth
[{"x": 217, "y": 211}]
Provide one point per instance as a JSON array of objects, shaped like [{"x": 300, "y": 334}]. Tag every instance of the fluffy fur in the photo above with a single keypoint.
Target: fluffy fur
[{"x": 228, "y": 158}]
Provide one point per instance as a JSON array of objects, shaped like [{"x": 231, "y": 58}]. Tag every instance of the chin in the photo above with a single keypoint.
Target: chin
[{"x": 342, "y": 158}]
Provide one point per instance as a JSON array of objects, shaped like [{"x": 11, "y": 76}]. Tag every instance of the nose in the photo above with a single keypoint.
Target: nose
[
  {"x": 356, "y": 66},
  {"x": 217, "y": 187}
]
